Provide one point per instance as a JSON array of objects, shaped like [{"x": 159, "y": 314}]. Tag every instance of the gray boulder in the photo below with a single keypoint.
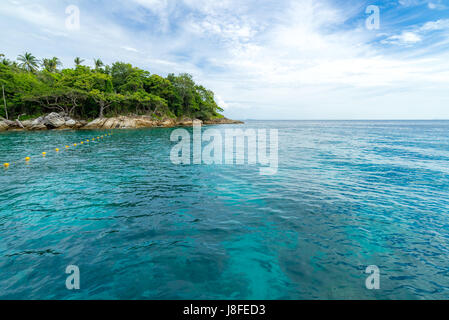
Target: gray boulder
[
  {"x": 54, "y": 120},
  {"x": 37, "y": 121},
  {"x": 70, "y": 123},
  {"x": 3, "y": 125}
]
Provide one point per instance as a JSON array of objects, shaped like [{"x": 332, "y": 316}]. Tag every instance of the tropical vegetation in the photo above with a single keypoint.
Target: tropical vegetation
[{"x": 34, "y": 87}]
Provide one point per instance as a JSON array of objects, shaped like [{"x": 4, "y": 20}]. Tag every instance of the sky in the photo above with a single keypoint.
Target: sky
[{"x": 280, "y": 59}]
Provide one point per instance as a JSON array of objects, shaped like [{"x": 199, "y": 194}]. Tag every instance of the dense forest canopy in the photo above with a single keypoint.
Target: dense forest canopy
[{"x": 31, "y": 87}]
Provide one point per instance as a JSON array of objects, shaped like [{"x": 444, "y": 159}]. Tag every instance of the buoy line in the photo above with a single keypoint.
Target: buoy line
[{"x": 27, "y": 160}]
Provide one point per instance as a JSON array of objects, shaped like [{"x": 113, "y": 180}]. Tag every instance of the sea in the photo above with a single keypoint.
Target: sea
[{"x": 347, "y": 198}]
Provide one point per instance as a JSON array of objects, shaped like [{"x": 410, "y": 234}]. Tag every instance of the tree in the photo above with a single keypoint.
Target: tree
[
  {"x": 4, "y": 99},
  {"x": 87, "y": 92},
  {"x": 65, "y": 100},
  {"x": 4, "y": 61},
  {"x": 51, "y": 65},
  {"x": 98, "y": 64},
  {"x": 105, "y": 100},
  {"x": 120, "y": 71},
  {"x": 78, "y": 61},
  {"x": 28, "y": 62}
]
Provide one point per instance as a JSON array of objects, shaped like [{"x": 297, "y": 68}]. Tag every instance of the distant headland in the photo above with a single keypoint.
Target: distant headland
[{"x": 40, "y": 95}]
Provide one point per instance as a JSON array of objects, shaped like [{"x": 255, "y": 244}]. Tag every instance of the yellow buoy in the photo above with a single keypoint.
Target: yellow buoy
[
  {"x": 57, "y": 150},
  {"x": 82, "y": 142},
  {"x": 87, "y": 140},
  {"x": 6, "y": 165},
  {"x": 44, "y": 153},
  {"x": 74, "y": 144},
  {"x": 27, "y": 159},
  {"x": 66, "y": 147}
]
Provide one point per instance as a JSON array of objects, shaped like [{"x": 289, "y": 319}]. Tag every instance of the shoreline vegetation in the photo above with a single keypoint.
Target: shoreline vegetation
[{"x": 41, "y": 95}]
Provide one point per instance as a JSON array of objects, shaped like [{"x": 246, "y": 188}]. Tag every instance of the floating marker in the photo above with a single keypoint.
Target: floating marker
[{"x": 44, "y": 154}]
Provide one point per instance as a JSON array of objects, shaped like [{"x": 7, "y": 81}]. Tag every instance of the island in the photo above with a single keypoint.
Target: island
[{"x": 41, "y": 95}]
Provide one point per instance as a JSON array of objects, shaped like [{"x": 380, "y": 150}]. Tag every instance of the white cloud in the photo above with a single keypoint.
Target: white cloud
[
  {"x": 435, "y": 25},
  {"x": 130, "y": 49},
  {"x": 283, "y": 59},
  {"x": 405, "y": 38}
]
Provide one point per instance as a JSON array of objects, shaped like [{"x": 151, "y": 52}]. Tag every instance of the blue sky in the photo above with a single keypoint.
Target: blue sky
[{"x": 263, "y": 59}]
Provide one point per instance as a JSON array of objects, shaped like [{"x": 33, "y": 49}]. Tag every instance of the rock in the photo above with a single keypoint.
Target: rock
[
  {"x": 27, "y": 124},
  {"x": 70, "y": 123},
  {"x": 54, "y": 120},
  {"x": 37, "y": 121},
  {"x": 111, "y": 123},
  {"x": 11, "y": 124},
  {"x": 80, "y": 124},
  {"x": 3, "y": 125},
  {"x": 223, "y": 121},
  {"x": 167, "y": 123},
  {"x": 186, "y": 122},
  {"x": 145, "y": 122},
  {"x": 38, "y": 127},
  {"x": 95, "y": 124}
]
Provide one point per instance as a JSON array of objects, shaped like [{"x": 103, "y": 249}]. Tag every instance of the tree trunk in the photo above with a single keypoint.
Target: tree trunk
[{"x": 4, "y": 101}]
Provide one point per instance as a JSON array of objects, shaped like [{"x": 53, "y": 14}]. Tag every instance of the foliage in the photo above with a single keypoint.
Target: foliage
[{"x": 85, "y": 92}]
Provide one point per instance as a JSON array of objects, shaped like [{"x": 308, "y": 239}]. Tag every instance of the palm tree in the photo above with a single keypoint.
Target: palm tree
[
  {"x": 6, "y": 62},
  {"x": 28, "y": 62},
  {"x": 51, "y": 65},
  {"x": 78, "y": 61},
  {"x": 98, "y": 63}
]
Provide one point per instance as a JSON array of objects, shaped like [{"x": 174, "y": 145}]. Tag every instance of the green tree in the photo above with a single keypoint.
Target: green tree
[
  {"x": 87, "y": 92},
  {"x": 78, "y": 61},
  {"x": 51, "y": 65},
  {"x": 105, "y": 100},
  {"x": 98, "y": 64},
  {"x": 28, "y": 62}
]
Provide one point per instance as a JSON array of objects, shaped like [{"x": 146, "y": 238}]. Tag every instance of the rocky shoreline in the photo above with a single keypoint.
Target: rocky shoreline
[{"x": 60, "y": 121}]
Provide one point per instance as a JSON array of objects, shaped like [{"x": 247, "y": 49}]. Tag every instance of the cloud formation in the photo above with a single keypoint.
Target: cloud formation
[{"x": 285, "y": 60}]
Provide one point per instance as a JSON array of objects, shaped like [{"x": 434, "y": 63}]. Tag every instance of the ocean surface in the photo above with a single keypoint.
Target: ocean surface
[{"x": 348, "y": 194}]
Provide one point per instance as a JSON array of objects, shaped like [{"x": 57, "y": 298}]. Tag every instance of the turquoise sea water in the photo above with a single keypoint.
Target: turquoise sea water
[{"x": 346, "y": 195}]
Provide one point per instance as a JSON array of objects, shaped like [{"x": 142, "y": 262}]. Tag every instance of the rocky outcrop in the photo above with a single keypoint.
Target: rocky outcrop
[
  {"x": 223, "y": 121},
  {"x": 48, "y": 122},
  {"x": 59, "y": 121},
  {"x": 131, "y": 122},
  {"x": 54, "y": 120},
  {"x": 3, "y": 125}
]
